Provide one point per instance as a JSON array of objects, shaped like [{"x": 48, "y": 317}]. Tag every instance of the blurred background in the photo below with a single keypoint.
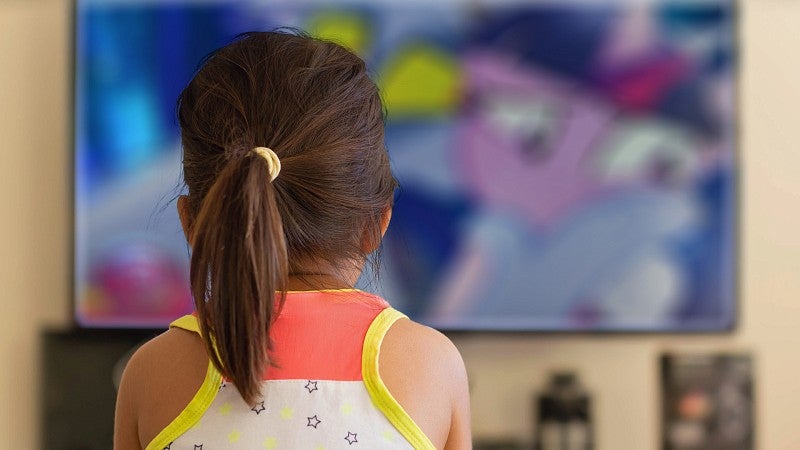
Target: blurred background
[
  {"x": 562, "y": 165},
  {"x": 623, "y": 373}
]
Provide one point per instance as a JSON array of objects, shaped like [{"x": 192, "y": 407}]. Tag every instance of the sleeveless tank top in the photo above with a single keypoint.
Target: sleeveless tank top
[{"x": 324, "y": 393}]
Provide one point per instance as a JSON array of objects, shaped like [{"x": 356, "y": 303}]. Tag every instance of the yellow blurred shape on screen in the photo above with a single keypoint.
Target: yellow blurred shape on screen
[
  {"x": 420, "y": 81},
  {"x": 349, "y": 30}
]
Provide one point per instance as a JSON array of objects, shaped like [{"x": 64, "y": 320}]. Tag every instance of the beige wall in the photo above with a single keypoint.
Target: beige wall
[
  {"x": 621, "y": 370},
  {"x": 34, "y": 201}
]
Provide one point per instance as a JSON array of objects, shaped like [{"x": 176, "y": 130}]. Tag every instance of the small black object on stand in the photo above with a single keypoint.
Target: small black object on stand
[{"x": 564, "y": 420}]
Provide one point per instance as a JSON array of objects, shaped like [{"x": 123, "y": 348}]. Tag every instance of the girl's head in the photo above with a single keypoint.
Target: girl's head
[{"x": 312, "y": 103}]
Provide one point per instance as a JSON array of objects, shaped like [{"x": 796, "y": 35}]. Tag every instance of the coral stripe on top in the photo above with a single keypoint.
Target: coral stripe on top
[{"x": 320, "y": 335}]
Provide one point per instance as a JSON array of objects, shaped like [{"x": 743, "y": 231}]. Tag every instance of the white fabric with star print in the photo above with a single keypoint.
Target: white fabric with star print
[{"x": 294, "y": 414}]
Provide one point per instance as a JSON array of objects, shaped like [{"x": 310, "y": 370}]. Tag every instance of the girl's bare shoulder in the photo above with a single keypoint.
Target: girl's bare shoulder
[
  {"x": 177, "y": 352},
  {"x": 421, "y": 347},
  {"x": 160, "y": 379},
  {"x": 424, "y": 371}
]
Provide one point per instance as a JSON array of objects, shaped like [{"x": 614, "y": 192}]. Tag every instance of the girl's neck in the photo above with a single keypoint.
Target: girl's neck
[
  {"x": 315, "y": 282},
  {"x": 319, "y": 275}
]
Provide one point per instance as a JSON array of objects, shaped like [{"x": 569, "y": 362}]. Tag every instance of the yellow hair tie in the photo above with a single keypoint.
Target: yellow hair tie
[{"x": 273, "y": 161}]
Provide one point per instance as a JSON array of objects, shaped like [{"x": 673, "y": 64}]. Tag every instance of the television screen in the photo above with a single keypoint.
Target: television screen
[{"x": 564, "y": 165}]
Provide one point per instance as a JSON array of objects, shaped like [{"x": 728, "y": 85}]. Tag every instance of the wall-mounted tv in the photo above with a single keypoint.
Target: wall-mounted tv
[{"x": 564, "y": 165}]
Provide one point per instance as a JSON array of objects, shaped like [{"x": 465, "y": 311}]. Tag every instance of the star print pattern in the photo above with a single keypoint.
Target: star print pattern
[
  {"x": 326, "y": 412},
  {"x": 313, "y": 421},
  {"x": 311, "y": 386},
  {"x": 258, "y": 407}
]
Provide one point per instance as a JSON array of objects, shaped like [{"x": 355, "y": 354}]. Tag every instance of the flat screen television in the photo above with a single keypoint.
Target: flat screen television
[{"x": 564, "y": 165}]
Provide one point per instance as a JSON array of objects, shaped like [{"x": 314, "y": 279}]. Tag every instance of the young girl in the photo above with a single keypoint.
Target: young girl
[{"x": 289, "y": 190}]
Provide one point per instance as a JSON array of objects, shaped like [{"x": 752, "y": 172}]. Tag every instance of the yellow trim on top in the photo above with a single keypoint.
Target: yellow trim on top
[
  {"x": 378, "y": 391},
  {"x": 199, "y": 404},
  {"x": 187, "y": 322}
]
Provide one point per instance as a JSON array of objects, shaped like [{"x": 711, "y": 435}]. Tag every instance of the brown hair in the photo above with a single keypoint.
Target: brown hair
[{"x": 311, "y": 102}]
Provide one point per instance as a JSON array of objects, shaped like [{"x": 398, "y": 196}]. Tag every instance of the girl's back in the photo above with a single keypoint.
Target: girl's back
[
  {"x": 320, "y": 397},
  {"x": 282, "y": 352}
]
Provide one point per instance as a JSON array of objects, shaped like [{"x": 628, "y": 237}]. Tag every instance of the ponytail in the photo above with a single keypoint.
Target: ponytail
[
  {"x": 313, "y": 100},
  {"x": 239, "y": 262}
]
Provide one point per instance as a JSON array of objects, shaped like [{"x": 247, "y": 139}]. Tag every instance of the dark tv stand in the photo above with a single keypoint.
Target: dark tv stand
[{"x": 78, "y": 387}]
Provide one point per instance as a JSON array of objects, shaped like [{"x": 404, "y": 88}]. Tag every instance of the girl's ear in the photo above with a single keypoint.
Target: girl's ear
[
  {"x": 385, "y": 219},
  {"x": 368, "y": 245},
  {"x": 185, "y": 216}
]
